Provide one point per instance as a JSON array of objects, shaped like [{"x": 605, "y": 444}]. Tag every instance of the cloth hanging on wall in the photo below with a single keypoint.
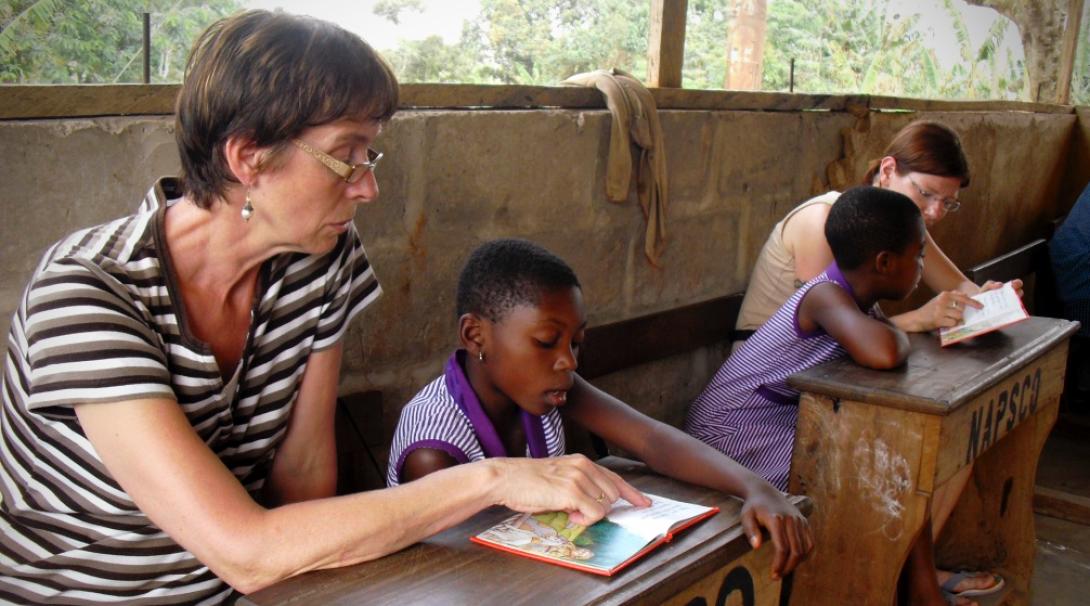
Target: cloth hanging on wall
[{"x": 635, "y": 123}]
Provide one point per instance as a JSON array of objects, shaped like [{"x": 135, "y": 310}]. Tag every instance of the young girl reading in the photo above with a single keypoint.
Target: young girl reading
[
  {"x": 748, "y": 411},
  {"x": 521, "y": 323}
]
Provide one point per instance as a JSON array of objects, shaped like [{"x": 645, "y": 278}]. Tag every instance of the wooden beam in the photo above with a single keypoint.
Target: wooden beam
[
  {"x": 21, "y": 102},
  {"x": 666, "y": 47},
  {"x": 51, "y": 101},
  {"x": 1067, "y": 51},
  {"x": 1063, "y": 505}
]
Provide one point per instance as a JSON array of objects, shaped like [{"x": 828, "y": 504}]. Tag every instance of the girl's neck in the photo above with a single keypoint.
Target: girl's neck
[
  {"x": 861, "y": 288},
  {"x": 501, "y": 410}
]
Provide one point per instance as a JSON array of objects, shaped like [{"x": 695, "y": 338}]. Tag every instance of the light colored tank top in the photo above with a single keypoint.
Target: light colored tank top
[{"x": 773, "y": 279}]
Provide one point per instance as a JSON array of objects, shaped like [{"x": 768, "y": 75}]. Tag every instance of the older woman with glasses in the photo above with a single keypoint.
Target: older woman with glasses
[
  {"x": 169, "y": 388},
  {"x": 924, "y": 162}
]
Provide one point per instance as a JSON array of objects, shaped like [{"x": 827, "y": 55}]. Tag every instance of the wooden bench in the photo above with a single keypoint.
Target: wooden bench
[
  {"x": 620, "y": 345},
  {"x": 628, "y": 343},
  {"x": 1029, "y": 263}
]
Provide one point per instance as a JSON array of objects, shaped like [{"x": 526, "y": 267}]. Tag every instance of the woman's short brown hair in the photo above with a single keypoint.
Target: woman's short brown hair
[
  {"x": 925, "y": 147},
  {"x": 269, "y": 76}
]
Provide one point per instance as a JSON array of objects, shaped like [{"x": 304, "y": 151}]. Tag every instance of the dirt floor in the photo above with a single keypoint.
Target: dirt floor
[{"x": 1062, "y": 571}]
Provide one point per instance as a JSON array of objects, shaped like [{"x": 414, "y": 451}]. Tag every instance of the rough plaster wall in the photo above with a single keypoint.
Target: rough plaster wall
[
  {"x": 57, "y": 176},
  {"x": 453, "y": 179}
]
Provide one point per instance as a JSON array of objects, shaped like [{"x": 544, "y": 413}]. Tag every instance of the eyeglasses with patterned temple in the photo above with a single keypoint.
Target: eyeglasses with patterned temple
[
  {"x": 351, "y": 173},
  {"x": 950, "y": 205}
]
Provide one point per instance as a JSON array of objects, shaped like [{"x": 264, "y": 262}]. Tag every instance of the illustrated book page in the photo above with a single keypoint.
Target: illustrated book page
[{"x": 625, "y": 534}]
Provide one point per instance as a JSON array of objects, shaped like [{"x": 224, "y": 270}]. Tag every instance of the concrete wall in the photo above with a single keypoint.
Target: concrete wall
[{"x": 453, "y": 179}]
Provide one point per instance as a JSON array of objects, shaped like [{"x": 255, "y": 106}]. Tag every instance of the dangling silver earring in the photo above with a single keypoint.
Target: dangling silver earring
[
  {"x": 248, "y": 208},
  {"x": 480, "y": 355}
]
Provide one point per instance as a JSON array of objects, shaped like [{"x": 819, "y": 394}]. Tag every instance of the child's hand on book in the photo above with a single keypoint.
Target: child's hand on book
[
  {"x": 571, "y": 483},
  {"x": 790, "y": 532}
]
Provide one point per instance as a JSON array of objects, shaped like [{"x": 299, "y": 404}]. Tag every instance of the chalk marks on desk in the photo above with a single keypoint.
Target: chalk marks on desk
[
  {"x": 884, "y": 478},
  {"x": 992, "y": 420}
]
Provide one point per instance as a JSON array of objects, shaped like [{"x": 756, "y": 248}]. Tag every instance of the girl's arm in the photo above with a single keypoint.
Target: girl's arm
[
  {"x": 423, "y": 461},
  {"x": 151, "y": 450},
  {"x": 672, "y": 452},
  {"x": 870, "y": 342}
]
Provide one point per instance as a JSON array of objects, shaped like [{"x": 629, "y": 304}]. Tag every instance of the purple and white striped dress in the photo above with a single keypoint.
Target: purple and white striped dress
[
  {"x": 748, "y": 411},
  {"x": 446, "y": 415}
]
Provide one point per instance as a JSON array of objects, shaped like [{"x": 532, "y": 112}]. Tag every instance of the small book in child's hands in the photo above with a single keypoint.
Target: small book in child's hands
[
  {"x": 1002, "y": 307},
  {"x": 622, "y": 537}
]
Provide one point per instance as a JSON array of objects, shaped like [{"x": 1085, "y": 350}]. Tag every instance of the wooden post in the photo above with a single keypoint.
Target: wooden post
[
  {"x": 666, "y": 48},
  {"x": 746, "y": 45},
  {"x": 1067, "y": 51}
]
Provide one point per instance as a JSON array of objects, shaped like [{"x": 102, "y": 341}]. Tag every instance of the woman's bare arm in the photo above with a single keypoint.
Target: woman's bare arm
[{"x": 152, "y": 451}]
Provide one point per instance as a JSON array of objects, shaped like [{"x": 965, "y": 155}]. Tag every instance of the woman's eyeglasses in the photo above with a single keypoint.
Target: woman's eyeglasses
[
  {"x": 351, "y": 173},
  {"x": 948, "y": 204}
]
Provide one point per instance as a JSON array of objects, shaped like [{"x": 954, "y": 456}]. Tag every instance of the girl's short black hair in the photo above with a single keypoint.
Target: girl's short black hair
[
  {"x": 867, "y": 220},
  {"x": 503, "y": 274}
]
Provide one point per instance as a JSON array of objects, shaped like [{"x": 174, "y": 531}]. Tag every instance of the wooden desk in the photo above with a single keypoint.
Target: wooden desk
[
  {"x": 702, "y": 563},
  {"x": 872, "y": 446}
]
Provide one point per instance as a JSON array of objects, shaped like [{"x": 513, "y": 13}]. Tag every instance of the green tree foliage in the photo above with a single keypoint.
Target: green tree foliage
[
  {"x": 527, "y": 42},
  {"x": 706, "y": 27},
  {"x": 839, "y": 46},
  {"x": 845, "y": 46},
  {"x": 99, "y": 41},
  {"x": 842, "y": 46}
]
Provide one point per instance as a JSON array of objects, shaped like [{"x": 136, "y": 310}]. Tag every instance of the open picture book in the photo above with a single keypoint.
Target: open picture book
[
  {"x": 1002, "y": 307},
  {"x": 623, "y": 536}
]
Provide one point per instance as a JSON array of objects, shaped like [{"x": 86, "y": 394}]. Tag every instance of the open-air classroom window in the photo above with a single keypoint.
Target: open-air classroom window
[{"x": 936, "y": 49}]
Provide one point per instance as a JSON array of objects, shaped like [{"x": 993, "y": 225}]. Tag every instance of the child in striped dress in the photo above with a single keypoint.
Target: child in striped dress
[
  {"x": 506, "y": 392},
  {"x": 748, "y": 411}
]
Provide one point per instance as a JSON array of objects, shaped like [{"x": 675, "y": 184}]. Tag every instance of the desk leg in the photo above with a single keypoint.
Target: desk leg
[
  {"x": 992, "y": 526},
  {"x": 861, "y": 464},
  {"x": 743, "y": 582}
]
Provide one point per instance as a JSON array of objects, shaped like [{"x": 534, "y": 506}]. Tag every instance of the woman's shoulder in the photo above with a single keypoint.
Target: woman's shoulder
[
  {"x": 117, "y": 253},
  {"x": 809, "y": 215}
]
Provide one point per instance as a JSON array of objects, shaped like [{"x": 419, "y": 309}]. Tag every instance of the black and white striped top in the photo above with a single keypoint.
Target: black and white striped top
[{"x": 101, "y": 321}]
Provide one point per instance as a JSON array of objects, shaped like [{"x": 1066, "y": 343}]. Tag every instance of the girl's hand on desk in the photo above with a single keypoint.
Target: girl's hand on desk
[
  {"x": 791, "y": 535},
  {"x": 571, "y": 483}
]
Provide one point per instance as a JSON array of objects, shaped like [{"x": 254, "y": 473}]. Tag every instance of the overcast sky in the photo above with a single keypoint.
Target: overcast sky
[{"x": 445, "y": 18}]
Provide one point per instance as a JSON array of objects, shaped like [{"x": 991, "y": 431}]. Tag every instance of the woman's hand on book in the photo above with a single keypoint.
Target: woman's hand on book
[
  {"x": 992, "y": 285},
  {"x": 572, "y": 483},
  {"x": 791, "y": 536},
  {"x": 946, "y": 309}
]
